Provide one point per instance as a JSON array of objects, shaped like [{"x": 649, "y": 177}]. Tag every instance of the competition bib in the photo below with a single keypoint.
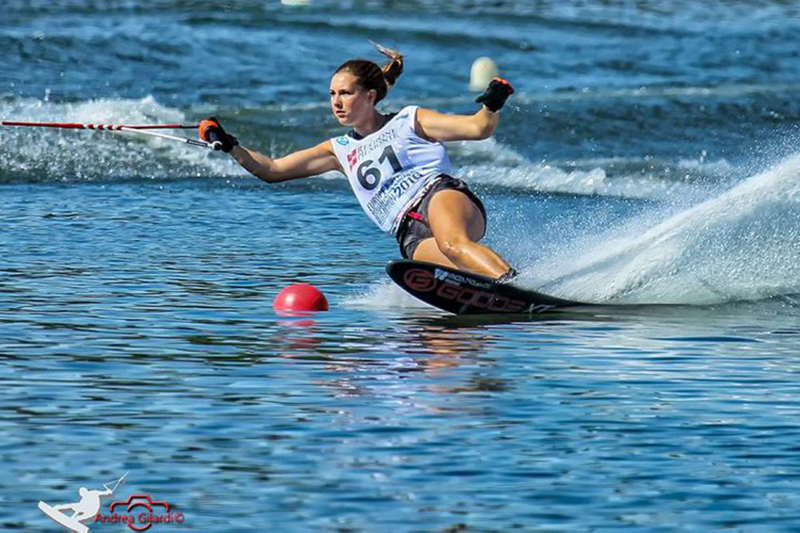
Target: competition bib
[{"x": 390, "y": 169}]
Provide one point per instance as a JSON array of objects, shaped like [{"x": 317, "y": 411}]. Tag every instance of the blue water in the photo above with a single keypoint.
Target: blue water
[{"x": 648, "y": 162}]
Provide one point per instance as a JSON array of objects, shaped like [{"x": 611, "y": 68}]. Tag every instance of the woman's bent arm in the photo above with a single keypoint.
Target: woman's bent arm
[
  {"x": 440, "y": 127},
  {"x": 309, "y": 162}
]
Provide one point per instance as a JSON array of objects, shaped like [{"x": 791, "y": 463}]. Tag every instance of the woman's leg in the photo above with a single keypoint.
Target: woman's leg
[{"x": 457, "y": 224}]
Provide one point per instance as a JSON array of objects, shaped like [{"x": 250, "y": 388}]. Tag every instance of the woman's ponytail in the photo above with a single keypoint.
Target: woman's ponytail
[
  {"x": 372, "y": 77},
  {"x": 394, "y": 67}
]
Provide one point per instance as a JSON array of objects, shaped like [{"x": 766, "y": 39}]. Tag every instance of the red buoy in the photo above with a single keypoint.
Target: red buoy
[{"x": 300, "y": 297}]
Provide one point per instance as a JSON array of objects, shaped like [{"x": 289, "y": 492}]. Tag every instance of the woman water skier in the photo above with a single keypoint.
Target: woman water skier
[{"x": 396, "y": 164}]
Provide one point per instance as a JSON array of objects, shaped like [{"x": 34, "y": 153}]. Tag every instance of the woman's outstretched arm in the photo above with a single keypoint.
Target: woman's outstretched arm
[
  {"x": 441, "y": 127},
  {"x": 301, "y": 164}
]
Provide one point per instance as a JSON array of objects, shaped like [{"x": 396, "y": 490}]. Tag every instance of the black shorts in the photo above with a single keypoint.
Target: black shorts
[{"x": 414, "y": 228}]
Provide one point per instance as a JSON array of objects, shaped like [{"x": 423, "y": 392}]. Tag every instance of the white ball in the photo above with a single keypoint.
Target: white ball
[{"x": 482, "y": 72}]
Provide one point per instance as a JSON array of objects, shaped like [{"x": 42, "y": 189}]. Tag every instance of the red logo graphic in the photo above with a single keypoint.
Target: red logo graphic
[
  {"x": 149, "y": 511},
  {"x": 419, "y": 280},
  {"x": 352, "y": 158}
]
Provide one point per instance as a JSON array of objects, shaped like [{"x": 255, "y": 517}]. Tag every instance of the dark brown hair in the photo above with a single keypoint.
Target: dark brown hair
[{"x": 370, "y": 76}]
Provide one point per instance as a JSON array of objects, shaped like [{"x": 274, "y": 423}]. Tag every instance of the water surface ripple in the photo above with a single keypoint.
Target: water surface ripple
[{"x": 159, "y": 354}]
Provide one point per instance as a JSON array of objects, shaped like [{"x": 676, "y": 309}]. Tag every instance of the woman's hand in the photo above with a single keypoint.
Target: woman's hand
[
  {"x": 496, "y": 94},
  {"x": 211, "y": 131}
]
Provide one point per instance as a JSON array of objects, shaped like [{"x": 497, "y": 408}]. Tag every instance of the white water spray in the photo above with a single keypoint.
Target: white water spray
[
  {"x": 34, "y": 154},
  {"x": 741, "y": 245}
]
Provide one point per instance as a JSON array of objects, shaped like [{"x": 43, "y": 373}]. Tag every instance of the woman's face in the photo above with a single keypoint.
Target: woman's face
[{"x": 350, "y": 103}]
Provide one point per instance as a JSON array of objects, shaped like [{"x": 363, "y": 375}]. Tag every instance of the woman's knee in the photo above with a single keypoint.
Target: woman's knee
[{"x": 453, "y": 247}]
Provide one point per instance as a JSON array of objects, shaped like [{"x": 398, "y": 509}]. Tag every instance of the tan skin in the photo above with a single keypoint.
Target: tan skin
[{"x": 456, "y": 222}]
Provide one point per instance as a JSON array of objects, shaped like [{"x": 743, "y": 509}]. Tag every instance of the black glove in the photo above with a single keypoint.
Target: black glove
[
  {"x": 496, "y": 94},
  {"x": 211, "y": 131}
]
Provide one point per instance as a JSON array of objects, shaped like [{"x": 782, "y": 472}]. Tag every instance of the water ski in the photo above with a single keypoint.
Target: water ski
[
  {"x": 463, "y": 293},
  {"x": 60, "y": 518}
]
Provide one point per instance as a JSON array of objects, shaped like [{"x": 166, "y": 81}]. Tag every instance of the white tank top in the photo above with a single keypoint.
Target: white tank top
[{"x": 392, "y": 168}]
